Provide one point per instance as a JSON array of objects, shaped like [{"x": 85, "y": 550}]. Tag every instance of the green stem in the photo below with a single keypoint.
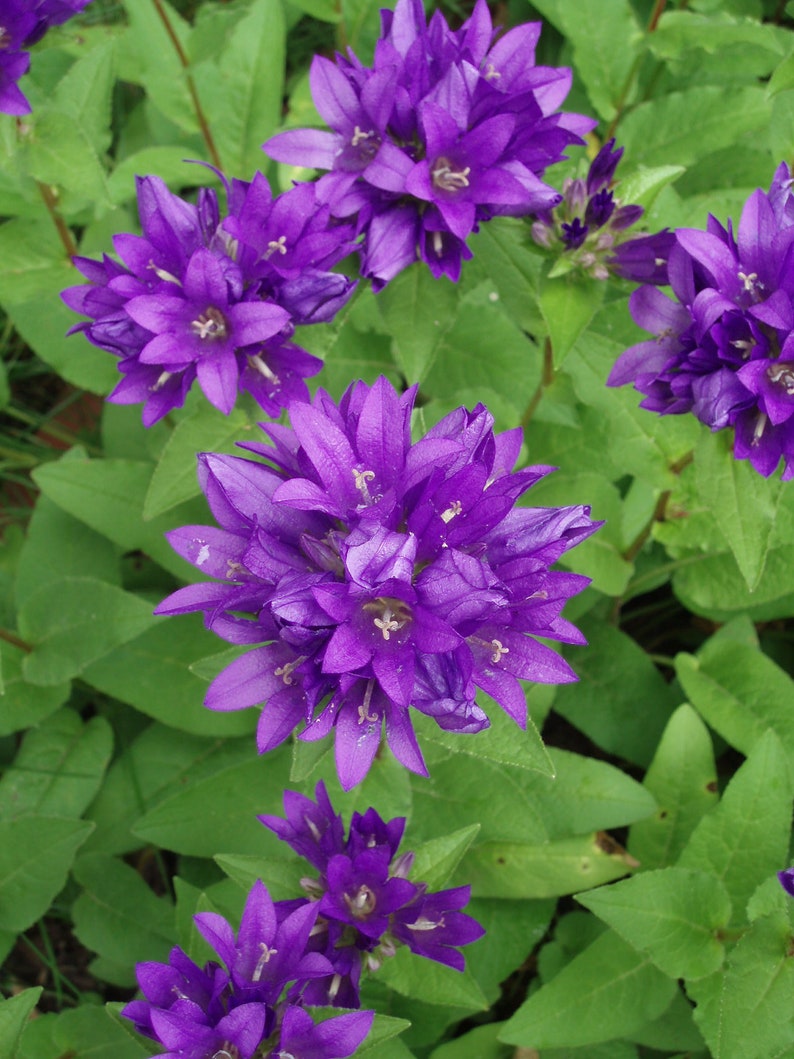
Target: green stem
[
  {"x": 546, "y": 379},
  {"x": 51, "y": 202},
  {"x": 47, "y": 427},
  {"x": 201, "y": 117},
  {"x": 51, "y": 963},
  {"x": 631, "y": 77},
  {"x": 12, "y": 638}
]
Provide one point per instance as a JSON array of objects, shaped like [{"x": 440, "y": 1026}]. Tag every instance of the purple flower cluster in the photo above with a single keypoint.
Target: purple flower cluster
[
  {"x": 447, "y": 129},
  {"x": 590, "y": 229},
  {"x": 367, "y": 905},
  {"x": 216, "y": 299},
  {"x": 724, "y": 350},
  {"x": 379, "y": 574},
  {"x": 250, "y": 1006},
  {"x": 22, "y": 24}
]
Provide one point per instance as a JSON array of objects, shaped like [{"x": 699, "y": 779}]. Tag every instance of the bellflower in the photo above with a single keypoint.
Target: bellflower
[
  {"x": 370, "y": 575},
  {"x": 589, "y": 228},
  {"x": 22, "y": 24},
  {"x": 200, "y": 297},
  {"x": 447, "y": 129},
  {"x": 786, "y": 878},
  {"x": 724, "y": 349},
  {"x": 245, "y": 1008},
  {"x": 367, "y": 905}
]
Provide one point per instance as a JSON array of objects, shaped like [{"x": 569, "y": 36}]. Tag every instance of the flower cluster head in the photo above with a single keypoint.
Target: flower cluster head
[
  {"x": 22, "y": 24},
  {"x": 445, "y": 130},
  {"x": 379, "y": 575},
  {"x": 366, "y": 904},
  {"x": 589, "y": 228},
  {"x": 249, "y": 1005},
  {"x": 198, "y": 296},
  {"x": 724, "y": 349}
]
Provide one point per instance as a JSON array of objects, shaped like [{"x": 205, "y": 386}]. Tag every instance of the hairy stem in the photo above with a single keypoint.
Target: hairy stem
[
  {"x": 201, "y": 117},
  {"x": 51, "y": 202},
  {"x": 546, "y": 379},
  {"x": 628, "y": 84}
]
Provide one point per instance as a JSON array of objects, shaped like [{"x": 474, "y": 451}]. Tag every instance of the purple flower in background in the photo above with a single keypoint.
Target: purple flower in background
[
  {"x": 447, "y": 129},
  {"x": 22, "y": 24},
  {"x": 589, "y": 229},
  {"x": 247, "y": 1008},
  {"x": 379, "y": 575},
  {"x": 367, "y": 905},
  {"x": 724, "y": 350},
  {"x": 786, "y": 878},
  {"x": 215, "y": 299}
]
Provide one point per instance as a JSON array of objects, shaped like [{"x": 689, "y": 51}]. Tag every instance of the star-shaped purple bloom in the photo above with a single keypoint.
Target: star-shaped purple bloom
[
  {"x": 447, "y": 129},
  {"x": 201, "y": 297},
  {"x": 367, "y": 905},
  {"x": 378, "y": 575},
  {"x": 22, "y": 24},
  {"x": 724, "y": 350}
]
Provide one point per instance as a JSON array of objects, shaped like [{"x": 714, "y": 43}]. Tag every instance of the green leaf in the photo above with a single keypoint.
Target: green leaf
[
  {"x": 84, "y": 94},
  {"x": 148, "y": 57},
  {"x": 683, "y": 779},
  {"x": 58, "y": 545},
  {"x": 674, "y": 915},
  {"x": 503, "y": 742},
  {"x": 204, "y": 430},
  {"x": 593, "y": 27},
  {"x": 152, "y": 769},
  {"x": 118, "y": 916},
  {"x": 746, "y": 837},
  {"x": 61, "y": 155},
  {"x": 641, "y": 187},
  {"x": 414, "y": 976},
  {"x": 153, "y": 672},
  {"x": 679, "y": 31},
  {"x": 512, "y": 929},
  {"x": 607, "y": 991},
  {"x": 218, "y": 814},
  {"x": 108, "y": 495},
  {"x": 479, "y": 1043},
  {"x": 282, "y": 877},
  {"x": 746, "y": 1013},
  {"x": 562, "y": 866},
  {"x": 418, "y": 310},
  {"x": 621, "y": 702},
  {"x": 166, "y": 162},
  {"x": 94, "y": 1032},
  {"x": 783, "y": 78},
  {"x": 568, "y": 305},
  {"x": 724, "y": 114},
  {"x": 23, "y": 704},
  {"x": 744, "y": 504},
  {"x": 503, "y": 248},
  {"x": 714, "y": 587},
  {"x": 741, "y": 693},
  {"x": 33, "y": 270},
  {"x": 436, "y": 860},
  {"x": 36, "y": 853},
  {"x": 384, "y": 1028},
  {"x": 90, "y": 619},
  {"x": 244, "y": 106},
  {"x": 58, "y": 768},
  {"x": 14, "y": 1013}
]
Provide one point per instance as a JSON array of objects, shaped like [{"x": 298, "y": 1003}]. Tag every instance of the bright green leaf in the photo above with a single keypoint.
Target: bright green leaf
[
  {"x": 14, "y": 1013},
  {"x": 607, "y": 991}
]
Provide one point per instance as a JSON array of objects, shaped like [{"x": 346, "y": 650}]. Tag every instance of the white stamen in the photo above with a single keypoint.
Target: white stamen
[
  {"x": 358, "y": 136},
  {"x": 333, "y": 988},
  {"x": 749, "y": 280},
  {"x": 363, "y": 710},
  {"x": 498, "y": 651},
  {"x": 263, "y": 959},
  {"x": 423, "y": 923},
  {"x": 162, "y": 379},
  {"x": 211, "y": 324},
  {"x": 491, "y": 73},
  {"x": 387, "y": 624},
  {"x": 276, "y": 246},
  {"x": 449, "y": 179},
  {"x": 362, "y": 477},
  {"x": 438, "y": 243},
  {"x": 759, "y": 428},
  {"x": 259, "y": 365},
  {"x": 285, "y": 671},
  {"x": 454, "y": 509},
  {"x": 782, "y": 375},
  {"x": 162, "y": 274}
]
